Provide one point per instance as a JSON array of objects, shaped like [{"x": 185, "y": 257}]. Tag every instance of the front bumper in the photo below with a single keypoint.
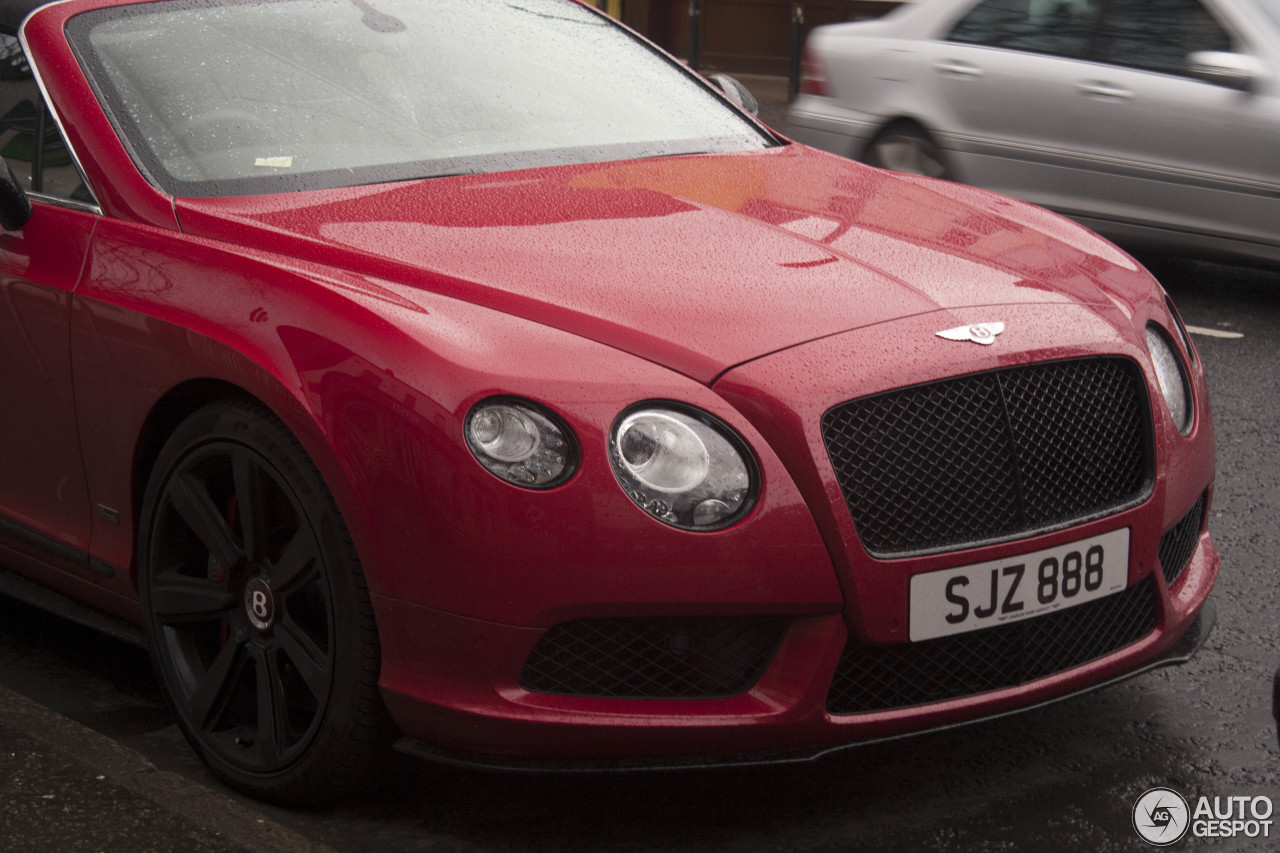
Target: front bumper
[
  {"x": 1182, "y": 650},
  {"x": 465, "y": 704}
]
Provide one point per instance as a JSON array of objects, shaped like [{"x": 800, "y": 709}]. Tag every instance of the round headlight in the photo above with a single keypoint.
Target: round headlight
[
  {"x": 663, "y": 452},
  {"x": 1174, "y": 386},
  {"x": 683, "y": 467},
  {"x": 520, "y": 442}
]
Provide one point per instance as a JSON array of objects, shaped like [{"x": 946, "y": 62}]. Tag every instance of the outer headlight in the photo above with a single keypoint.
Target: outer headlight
[
  {"x": 1172, "y": 377},
  {"x": 521, "y": 442},
  {"x": 1187, "y": 345},
  {"x": 683, "y": 466}
]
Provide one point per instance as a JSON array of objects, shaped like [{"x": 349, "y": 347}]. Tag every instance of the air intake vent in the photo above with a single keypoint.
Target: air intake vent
[
  {"x": 1178, "y": 544},
  {"x": 878, "y": 678},
  {"x": 668, "y": 658}
]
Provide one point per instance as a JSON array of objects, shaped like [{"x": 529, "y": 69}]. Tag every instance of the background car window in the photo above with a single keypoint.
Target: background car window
[
  {"x": 1058, "y": 27},
  {"x": 1157, "y": 35},
  {"x": 45, "y": 167}
]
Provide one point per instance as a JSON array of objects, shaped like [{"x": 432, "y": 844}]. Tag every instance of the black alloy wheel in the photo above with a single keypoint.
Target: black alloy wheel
[{"x": 256, "y": 609}]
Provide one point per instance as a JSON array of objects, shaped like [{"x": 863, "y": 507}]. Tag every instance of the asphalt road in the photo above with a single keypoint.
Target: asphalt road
[{"x": 89, "y": 759}]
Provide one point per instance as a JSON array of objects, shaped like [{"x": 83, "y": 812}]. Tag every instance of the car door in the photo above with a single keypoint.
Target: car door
[
  {"x": 44, "y": 501},
  {"x": 1000, "y": 75},
  {"x": 1173, "y": 151}
]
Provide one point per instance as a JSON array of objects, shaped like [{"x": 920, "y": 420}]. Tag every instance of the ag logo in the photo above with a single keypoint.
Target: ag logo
[
  {"x": 979, "y": 333},
  {"x": 1161, "y": 817}
]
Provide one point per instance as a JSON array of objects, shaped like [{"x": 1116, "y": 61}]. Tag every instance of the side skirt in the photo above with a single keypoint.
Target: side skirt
[{"x": 16, "y": 586}]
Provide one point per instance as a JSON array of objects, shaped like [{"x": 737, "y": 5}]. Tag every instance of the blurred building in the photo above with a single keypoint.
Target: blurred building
[{"x": 742, "y": 36}]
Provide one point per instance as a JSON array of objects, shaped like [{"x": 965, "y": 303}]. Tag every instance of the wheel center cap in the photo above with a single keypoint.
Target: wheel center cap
[{"x": 259, "y": 604}]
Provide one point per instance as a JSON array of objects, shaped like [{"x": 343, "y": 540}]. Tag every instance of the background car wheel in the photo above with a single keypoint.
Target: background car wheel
[
  {"x": 907, "y": 147},
  {"x": 256, "y": 610}
]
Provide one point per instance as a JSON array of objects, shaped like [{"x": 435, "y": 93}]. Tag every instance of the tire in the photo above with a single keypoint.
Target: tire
[
  {"x": 907, "y": 147},
  {"x": 256, "y": 610}
]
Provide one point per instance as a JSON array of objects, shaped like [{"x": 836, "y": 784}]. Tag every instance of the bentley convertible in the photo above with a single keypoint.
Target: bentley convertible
[{"x": 469, "y": 377}]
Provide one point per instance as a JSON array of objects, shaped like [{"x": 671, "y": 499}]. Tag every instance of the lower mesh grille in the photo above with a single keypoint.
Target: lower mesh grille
[
  {"x": 669, "y": 658},
  {"x": 878, "y": 678},
  {"x": 1178, "y": 544}
]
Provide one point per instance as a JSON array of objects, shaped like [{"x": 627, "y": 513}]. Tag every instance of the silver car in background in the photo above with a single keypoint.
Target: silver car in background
[{"x": 1155, "y": 122}]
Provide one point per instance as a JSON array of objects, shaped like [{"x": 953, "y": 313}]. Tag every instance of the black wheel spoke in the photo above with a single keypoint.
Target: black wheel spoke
[
  {"x": 178, "y": 598},
  {"x": 211, "y": 693},
  {"x": 311, "y": 663},
  {"x": 250, "y": 506},
  {"x": 271, "y": 705},
  {"x": 190, "y": 497},
  {"x": 298, "y": 563}
]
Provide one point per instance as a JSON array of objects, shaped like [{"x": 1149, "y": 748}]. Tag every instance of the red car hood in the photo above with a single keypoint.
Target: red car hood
[{"x": 698, "y": 263}]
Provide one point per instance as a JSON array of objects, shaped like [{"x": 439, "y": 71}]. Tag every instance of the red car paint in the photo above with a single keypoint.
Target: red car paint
[{"x": 762, "y": 287}]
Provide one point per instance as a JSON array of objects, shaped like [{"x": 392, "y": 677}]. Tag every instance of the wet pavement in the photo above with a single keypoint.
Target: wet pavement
[{"x": 66, "y": 787}]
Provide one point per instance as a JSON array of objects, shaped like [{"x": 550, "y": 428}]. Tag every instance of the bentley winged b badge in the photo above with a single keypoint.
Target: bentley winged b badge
[{"x": 979, "y": 333}]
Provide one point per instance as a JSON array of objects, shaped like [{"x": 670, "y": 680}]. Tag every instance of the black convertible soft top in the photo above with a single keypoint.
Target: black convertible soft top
[{"x": 14, "y": 12}]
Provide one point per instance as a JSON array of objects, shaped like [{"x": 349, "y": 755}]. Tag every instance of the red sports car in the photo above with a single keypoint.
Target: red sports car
[{"x": 470, "y": 375}]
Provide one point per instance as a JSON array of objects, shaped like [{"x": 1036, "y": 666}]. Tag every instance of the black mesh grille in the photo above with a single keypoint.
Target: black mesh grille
[
  {"x": 991, "y": 455},
  {"x": 1178, "y": 544},
  {"x": 877, "y": 678},
  {"x": 680, "y": 658}
]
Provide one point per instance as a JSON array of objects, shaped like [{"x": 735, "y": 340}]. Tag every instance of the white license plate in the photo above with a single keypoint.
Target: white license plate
[{"x": 970, "y": 598}]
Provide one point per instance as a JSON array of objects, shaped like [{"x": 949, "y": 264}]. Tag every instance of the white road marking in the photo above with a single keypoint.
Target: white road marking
[{"x": 1213, "y": 333}]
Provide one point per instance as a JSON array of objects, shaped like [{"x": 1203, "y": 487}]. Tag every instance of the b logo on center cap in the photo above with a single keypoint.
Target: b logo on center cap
[
  {"x": 979, "y": 333},
  {"x": 259, "y": 604}
]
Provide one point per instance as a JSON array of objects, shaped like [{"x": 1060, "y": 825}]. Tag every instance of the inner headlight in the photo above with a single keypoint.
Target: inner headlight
[
  {"x": 1172, "y": 378},
  {"x": 521, "y": 442},
  {"x": 683, "y": 466}
]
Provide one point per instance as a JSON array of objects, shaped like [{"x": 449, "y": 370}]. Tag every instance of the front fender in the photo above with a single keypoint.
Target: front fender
[{"x": 375, "y": 379}]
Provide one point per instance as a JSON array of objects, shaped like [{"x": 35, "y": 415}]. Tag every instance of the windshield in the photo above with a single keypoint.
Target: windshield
[{"x": 232, "y": 98}]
